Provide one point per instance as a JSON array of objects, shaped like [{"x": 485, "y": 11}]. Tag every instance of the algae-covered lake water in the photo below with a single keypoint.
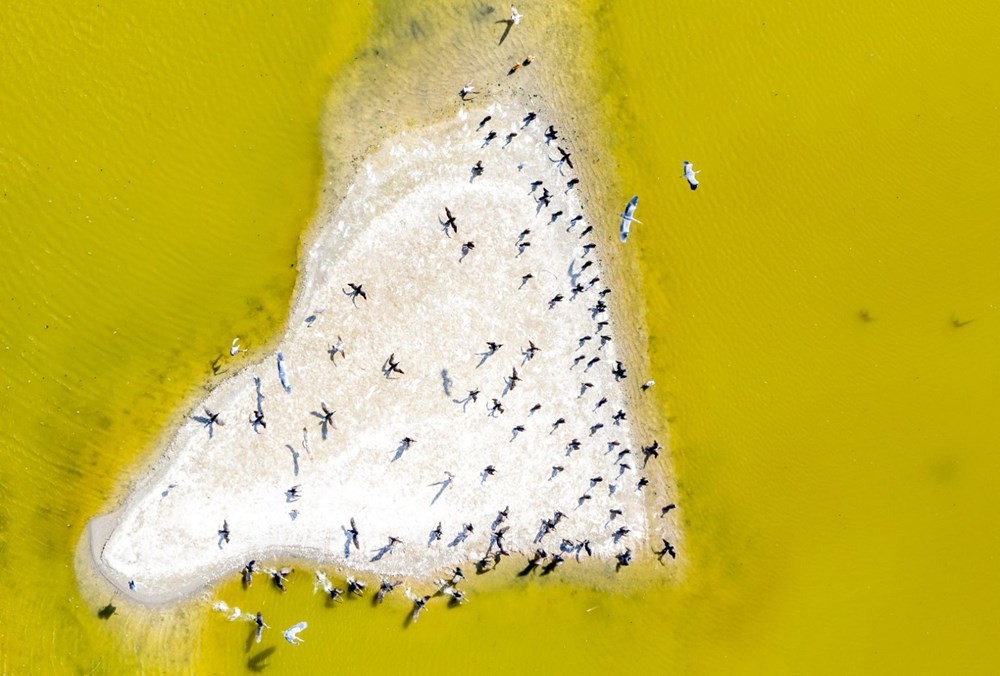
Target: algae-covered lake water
[{"x": 822, "y": 314}]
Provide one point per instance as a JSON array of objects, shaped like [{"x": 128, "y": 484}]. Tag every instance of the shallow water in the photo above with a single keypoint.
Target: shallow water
[{"x": 836, "y": 474}]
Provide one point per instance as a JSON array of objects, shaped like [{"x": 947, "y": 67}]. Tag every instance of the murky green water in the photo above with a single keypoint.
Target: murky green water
[{"x": 836, "y": 474}]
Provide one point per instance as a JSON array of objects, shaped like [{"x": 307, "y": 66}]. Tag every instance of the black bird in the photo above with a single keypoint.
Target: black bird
[
  {"x": 516, "y": 430},
  {"x": 622, "y": 453},
  {"x": 534, "y": 408},
  {"x": 356, "y": 290},
  {"x": 555, "y": 299},
  {"x": 473, "y": 395},
  {"x": 467, "y": 247},
  {"x": 521, "y": 246},
  {"x": 586, "y": 265},
  {"x": 327, "y": 417},
  {"x": 257, "y": 420},
  {"x": 552, "y": 564},
  {"x": 551, "y": 134},
  {"x": 514, "y": 379},
  {"x": 595, "y": 280},
  {"x": 477, "y": 169},
  {"x": 619, "y": 371},
  {"x": 578, "y": 289},
  {"x": 573, "y": 445},
  {"x": 620, "y": 533},
  {"x": 510, "y": 137},
  {"x": 391, "y": 366},
  {"x": 356, "y": 587},
  {"x": 667, "y": 549},
  {"x": 292, "y": 494},
  {"x": 573, "y": 221},
  {"x": 436, "y": 533},
  {"x": 585, "y": 545},
  {"x": 556, "y": 469},
  {"x": 224, "y": 531},
  {"x": 557, "y": 423},
  {"x": 584, "y": 387},
  {"x": 384, "y": 589},
  {"x": 279, "y": 577},
  {"x": 596, "y": 480},
  {"x": 583, "y": 498},
  {"x": 489, "y": 471},
  {"x": 495, "y": 407},
  {"x": 483, "y": 123},
  {"x": 555, "y": 216},
  {"x": 545, "y": 199},
  {"x": 564, "y": 157},
  {"x": 592, "y": 362},
  {"x": 642, "y": 482},
  {"x": 624, "y": 558},
  {"x": 666, "y": 509},
  {"x": 528, "y": 119},
  {"x": 601, "y": 324},
  {"x": 525, "y": 278},
  {"x": 595, "y": 427},
  {"x": 588, "y": 247},
  {"x": 604, "y": 341},
  {"x": 535, "y": 184},
  {"x": 603, "y": 293},
  {"x": 618, "y": 417},
  {"x": 572, "y": 182},
  {"x": 623, "y": 467},
  {"x": 450, "y": 222},
  {"x": 489, "y": 137},
  {"x": 602, "y": 402},
  {"x": 614, "y": 513},
  {"x": 353, "y": 532},
  {"x": 651, "y": 451},
  {"x": 248, "y": 571},
  {"x": 524, "y": 233},
  {"x": 493, "y": 347},
  {"x": 501, "y": 516},
  {"x": 579, "y": 359},
  {"x": 586, "y": 231},
  {"x": 530, "y": 352}
]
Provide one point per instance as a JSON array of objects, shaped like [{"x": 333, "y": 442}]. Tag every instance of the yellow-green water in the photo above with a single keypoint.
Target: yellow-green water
[{"x": 836, "y": 474}]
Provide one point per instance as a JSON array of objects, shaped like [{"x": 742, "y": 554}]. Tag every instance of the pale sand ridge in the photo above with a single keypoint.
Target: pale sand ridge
[{"x": 435, "y": 314}]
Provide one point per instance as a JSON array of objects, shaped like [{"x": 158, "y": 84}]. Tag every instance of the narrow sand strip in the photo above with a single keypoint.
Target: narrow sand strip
[{"x": 434, "y": 309}]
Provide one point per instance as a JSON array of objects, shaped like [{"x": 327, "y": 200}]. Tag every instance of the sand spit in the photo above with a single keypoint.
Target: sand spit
[{"x": 431, "y": 302}]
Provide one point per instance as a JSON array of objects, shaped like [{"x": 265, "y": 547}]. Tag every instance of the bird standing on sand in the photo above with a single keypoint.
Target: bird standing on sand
[{"x": 515, "y": 16}]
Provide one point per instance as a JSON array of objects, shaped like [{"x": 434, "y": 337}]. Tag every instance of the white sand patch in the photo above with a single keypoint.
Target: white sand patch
[{"x": 434, "y": 311}]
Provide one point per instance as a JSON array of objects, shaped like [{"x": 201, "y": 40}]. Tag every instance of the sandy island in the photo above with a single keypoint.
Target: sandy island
[{"x": 433, "y": 303}]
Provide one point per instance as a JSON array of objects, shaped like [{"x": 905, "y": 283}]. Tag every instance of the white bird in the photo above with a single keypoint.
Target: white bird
[
  {"x": 235, "y": 348},
  {"x": 322, "y": 581},
  {"x": 468, "y": 90},
  {"x": 515, "y": 16},
  {"x": 689, "y": 174},
  {"x": 627, "y": 217},
  {"x": 292, "y": 633}
]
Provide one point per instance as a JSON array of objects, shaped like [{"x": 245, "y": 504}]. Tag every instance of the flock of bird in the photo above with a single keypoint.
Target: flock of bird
[{"x": 538, "y": 557}]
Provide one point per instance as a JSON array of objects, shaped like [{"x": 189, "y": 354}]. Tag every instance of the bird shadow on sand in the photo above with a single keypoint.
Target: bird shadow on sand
[{"x": 506, "y": 31}]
